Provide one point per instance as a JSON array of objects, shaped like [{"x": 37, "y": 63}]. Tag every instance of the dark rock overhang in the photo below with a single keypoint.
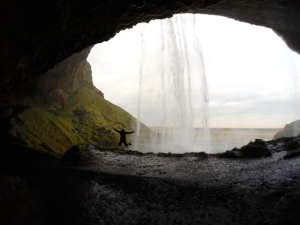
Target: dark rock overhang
[{"x": 37, "y": 35}]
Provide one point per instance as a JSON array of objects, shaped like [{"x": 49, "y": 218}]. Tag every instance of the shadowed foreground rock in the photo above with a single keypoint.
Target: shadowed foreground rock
[{"x": 99, "y": 186}]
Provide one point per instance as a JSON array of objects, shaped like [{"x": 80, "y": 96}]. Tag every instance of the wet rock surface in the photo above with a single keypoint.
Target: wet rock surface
[{"x": 100, "y": 186}]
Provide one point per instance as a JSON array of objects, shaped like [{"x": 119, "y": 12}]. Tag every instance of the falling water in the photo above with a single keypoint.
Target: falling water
[{"x": 172, "y": 83}]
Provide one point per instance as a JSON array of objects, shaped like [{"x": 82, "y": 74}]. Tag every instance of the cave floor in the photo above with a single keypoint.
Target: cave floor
[{"x": 123, "y": 187}]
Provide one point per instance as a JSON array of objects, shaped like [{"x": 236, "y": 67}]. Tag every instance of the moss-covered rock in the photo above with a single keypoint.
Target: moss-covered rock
[
  {"x": 61, "y": 109},
  {"x": 84, "y": 118},
  {"x": 229, "y": 154},
  {"x": 255, "y": 149}
]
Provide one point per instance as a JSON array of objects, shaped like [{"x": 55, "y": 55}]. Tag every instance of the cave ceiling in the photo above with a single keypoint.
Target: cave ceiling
[{"x": 36, "y": 35}]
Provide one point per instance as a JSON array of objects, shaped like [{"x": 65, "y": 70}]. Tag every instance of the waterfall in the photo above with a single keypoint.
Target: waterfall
[{"x": 172, "y": 84}]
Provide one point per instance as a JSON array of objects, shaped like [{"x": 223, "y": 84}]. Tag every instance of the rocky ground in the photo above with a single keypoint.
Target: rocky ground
[{"x": 100, "y": 186}]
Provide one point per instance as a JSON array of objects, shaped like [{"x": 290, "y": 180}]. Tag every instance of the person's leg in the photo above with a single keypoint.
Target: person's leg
[
  {"x": 120, "y": 142},
  {"x": 124, "y": 142}
]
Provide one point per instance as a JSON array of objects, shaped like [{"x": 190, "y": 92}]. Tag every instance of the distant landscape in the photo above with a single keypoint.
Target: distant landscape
[{"x": 220, "y": 139}]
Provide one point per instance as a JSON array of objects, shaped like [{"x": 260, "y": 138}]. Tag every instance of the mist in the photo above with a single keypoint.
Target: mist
[{"x": 252, "y": 76}]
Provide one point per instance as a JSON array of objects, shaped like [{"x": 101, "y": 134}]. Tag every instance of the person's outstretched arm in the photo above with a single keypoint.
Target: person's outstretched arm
[
  {"x": 130, "y": 132},
  {"x": 116, "y": 130}
]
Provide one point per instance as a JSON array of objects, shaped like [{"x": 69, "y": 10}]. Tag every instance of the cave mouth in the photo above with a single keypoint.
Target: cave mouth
[
  {"x": 252, "y": 78},
  {"x": 114, "y": 191}
]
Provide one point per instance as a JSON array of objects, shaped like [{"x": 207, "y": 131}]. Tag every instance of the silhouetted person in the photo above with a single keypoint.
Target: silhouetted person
[{"x": 123, "y": 136}]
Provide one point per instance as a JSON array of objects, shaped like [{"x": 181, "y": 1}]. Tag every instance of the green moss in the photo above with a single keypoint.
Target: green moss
[
  {"x": 258, "y": 142},
  {"x": 84, "y": 118},
  {"x": 44, "y": 131}
]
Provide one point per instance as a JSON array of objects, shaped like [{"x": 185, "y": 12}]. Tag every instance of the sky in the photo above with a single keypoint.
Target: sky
[{"x": 252, "y": 76}]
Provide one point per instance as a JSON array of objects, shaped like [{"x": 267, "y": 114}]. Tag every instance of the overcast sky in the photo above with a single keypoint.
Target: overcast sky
[{"x": 252, "y": 76}]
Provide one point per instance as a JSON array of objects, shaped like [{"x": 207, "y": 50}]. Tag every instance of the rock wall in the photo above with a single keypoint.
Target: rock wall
[
  {"x": 60, "y": 109},
  {"x": 37, "y": 35},
  {"x": 50, "y": 90}
]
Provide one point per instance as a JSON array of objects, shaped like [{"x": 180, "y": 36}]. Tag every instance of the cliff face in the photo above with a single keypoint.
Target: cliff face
[
  {"x": 62, "y": 108},
  {"x": 51, "y": 89},
  {"x": 290, "y": 130},
  {"x": 84, "y": 118}
]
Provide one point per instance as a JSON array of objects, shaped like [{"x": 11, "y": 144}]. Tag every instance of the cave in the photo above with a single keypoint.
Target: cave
[
  {"x": 49, "y": 131},
  {"x": 36, "y": 36}
]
